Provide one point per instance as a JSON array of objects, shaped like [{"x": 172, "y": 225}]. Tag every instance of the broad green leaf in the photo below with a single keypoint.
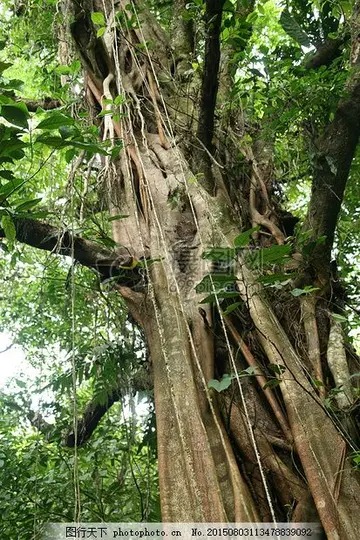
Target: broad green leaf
[
  {"x": 244, "y": 238},
  {"x": 56, "y": 120},
  {"x": 219, "y": 254},
  {"x": 15, "y": 114},
  {"x": 221, "y": 385},
  {"x": 52, "y": 141},
  {"x": 215, "y": 282},
  {"x": 6, "y": 100},
  {"x": 293, "y": 29},
  {"x": 27, "y": 205},
  {"x": 12, "y": 147},
  {"x": 92, "y": 148},
  {"x": 338, "y": 317},
  {"x": 297, "y": 292},
  {"x": 272, "y": 255},
  {"x": 63, "y": 70},
  {"x": 305, "y": 290},
  {"x": 4, "y": 66},
  {"x": 98, "y": 18},
  {"x": 10, "y": 187},
  {"x": 272, "y": 383},
  {"x": 101, "y": 31},
  {"x": 9, "y": 175}
]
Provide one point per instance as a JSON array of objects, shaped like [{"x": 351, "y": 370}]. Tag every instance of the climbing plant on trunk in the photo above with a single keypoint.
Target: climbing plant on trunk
[{"x": 237, "y": 309}]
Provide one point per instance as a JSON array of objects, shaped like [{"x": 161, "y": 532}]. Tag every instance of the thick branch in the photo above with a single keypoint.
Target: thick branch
[
  {"x": 107, "y": 263},
  {"x": 46, "y": 104},
  {"x": 94, "y": 412},
  {"x": 335, "y": 150},
  {"x": 326, "y": 53}
]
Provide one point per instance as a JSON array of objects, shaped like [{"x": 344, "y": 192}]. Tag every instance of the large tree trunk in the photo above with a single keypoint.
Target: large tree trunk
[{"x": 248, "y": 453}]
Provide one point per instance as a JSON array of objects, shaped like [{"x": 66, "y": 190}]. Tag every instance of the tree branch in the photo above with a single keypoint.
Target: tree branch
[
  {"x": 95, "y": 411},
  {"x": 210, "y": 82},
  {"x": 335, "y": 150},
  {"x": 87, "y": 424},
  {"x": 326, "y": 53},
  {"x": 47, "y": 104},
  {"x": 109, "y": 264}
]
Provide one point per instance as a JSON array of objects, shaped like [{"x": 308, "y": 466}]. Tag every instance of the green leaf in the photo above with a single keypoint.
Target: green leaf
[
  {"x": 293, "y": 29},
  {"x": 305, "y": 290},
  {"x": 98, "y": 18},
  {"x": 272, "y": 383},
  {"x": 211, "y": 299},
  {"x": 56, "y": 120},
  {"x": 269, "y": 279},
  {"x": 271, "y": 255},
  {"x": 119, "y": 100},
  {"x": 53, "y": 141},
  {"x": 16, "y": 114},
  {"x": 118, "y": 216},
  {"x": 63, "y": 70},
  {"x": 221, "y": 385},
  {"x": 277, "y": 368},
  {"x": 9, "y": 175},
  {"x": 70, "y": 154},
  {"x": 27, "y": 205},
  {"x": 338, "y": 317},
  {"x": 219, "y": 254},
  {"x": 231, "y": 308},
  {"x": 215, "y": 282},
  {"x": 250, "y": 371},
  {"x": 9, "y": 228},
  {"x": 92, "y": 148},
  {"x": 4, "y": 66},
  {"x": 244, "y": 238},
  {"x": 297, "y": 292},
  {"x": 251, "y": 18},
  {"x": 101, "y": 31},
  {"x": 10, "y": 187}
]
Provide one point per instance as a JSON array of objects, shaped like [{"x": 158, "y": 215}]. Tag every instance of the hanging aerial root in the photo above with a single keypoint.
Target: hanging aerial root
[
  {"x": 291, "y": 486},
  {"x": 261, "y": 379},
  {"x": 320, "y": 447},
  {"x": 308, "y": 309},
  {"x": 337, "y": 362},
  {"x": 153, "y": 92},
  {"x": 258, "y": 187}
]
